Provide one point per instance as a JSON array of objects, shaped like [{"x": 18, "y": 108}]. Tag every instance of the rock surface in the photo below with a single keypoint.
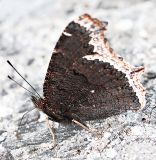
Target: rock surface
[{"x": 28, "y": 33}]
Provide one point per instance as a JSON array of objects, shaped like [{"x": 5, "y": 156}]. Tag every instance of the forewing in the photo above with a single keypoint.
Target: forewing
[{"x": 86, "y": 79}]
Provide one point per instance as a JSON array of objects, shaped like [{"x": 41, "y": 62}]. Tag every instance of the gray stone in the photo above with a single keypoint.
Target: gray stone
[
  {"x": 28, "y": 34},
  {"x": 5, "y": 154}
]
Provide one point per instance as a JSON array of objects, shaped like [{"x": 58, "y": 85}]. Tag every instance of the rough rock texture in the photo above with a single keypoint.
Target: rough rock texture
[{"x": 28, "y": 33}]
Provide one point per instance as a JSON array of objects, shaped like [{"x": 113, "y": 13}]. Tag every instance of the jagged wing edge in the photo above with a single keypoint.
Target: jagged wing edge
[{"x": 104, "y": 53}]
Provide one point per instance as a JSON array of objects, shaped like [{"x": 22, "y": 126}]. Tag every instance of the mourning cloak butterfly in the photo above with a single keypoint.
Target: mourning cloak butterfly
[{"x": 85, "y": 79}]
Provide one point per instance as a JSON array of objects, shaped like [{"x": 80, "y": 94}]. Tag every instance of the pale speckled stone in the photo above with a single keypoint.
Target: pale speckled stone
[
  {"x": 5, "y": 154},
  {"x": 111, "y": 153},
  {"x": 28, "y": 33}
]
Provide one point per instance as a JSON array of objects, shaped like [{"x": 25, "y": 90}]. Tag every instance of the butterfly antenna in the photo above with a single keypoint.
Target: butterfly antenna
[
  {"x": 20, "y": 85},
  {"x": 22, "y": 78},
  {"x": 29, "y": 92}
]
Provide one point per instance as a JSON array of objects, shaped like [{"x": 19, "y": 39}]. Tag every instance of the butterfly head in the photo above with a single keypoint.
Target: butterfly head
[{"x": 38, "y": 102}]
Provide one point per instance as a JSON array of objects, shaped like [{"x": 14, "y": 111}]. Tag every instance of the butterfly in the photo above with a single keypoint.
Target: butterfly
[{"x": 86, "y": 80}]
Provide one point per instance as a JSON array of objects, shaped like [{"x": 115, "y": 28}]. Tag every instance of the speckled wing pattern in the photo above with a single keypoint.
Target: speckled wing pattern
[{"x": 86, "y": 79}]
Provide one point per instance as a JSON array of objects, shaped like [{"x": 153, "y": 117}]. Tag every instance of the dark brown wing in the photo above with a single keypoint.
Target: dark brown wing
[{"x": 85, "y": 78}]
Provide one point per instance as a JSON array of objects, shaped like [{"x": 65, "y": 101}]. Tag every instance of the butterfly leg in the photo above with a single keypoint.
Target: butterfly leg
[
  {"x": 82, "y": 125},
  {"x": 52, "y": 131}
]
